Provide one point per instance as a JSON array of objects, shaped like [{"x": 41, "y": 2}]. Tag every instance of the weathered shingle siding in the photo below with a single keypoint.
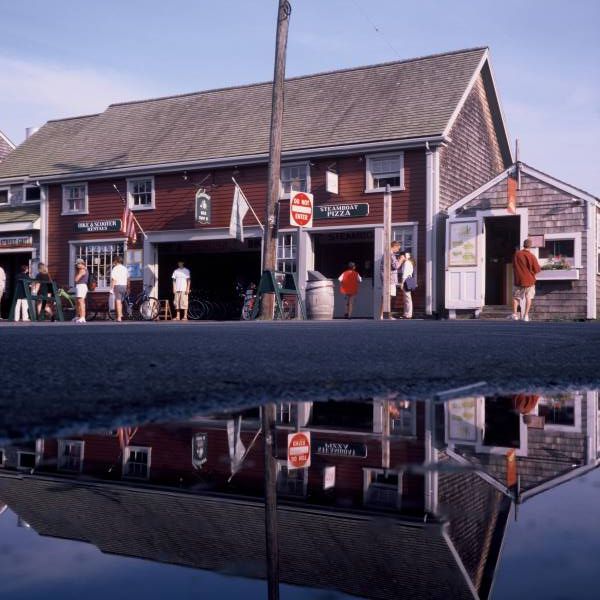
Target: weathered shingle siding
[
  {"x": 5, "y": 148},
  {"x": 474, "y": 155},
  {"x": 550, "y": 211}
]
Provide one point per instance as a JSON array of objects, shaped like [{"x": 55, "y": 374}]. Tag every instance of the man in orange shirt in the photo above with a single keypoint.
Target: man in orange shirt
[
  {"x": 525, "y": 267},
  {"x": 349, "y": 281}
]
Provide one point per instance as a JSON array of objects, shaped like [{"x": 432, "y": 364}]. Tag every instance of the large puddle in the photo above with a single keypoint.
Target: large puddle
[{"x": 462, "y": 496}]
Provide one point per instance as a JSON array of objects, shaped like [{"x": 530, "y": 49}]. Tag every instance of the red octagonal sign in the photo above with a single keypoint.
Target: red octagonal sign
[
  {"x": 298, "y": 450},
  {"x": 301, "y": 209}
]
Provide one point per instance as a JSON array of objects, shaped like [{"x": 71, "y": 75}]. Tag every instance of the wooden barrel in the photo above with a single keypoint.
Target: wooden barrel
[{"x": 319, "y": 300}]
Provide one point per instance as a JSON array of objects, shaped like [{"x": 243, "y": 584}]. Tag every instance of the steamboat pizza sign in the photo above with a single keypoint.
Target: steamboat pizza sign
[{"x": 341, "y": 211}]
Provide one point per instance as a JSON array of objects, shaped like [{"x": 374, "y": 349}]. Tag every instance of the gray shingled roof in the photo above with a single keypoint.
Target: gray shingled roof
[
  {"x": 19, "y": 214},
  {"x": 393, "y": 101},
  {"x": 376, "y": 558}
]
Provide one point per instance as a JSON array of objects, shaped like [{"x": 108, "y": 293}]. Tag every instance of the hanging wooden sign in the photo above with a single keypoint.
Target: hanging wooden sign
[{"x": 341, "y": 211}]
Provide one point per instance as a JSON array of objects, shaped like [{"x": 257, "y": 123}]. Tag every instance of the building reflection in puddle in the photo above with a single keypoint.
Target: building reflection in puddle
[{"x": 401, "y": 499}]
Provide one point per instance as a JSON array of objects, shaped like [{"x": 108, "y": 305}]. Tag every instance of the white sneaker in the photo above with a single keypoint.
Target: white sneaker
[
  {"x": 80, "y": 320},
  {"x": 526, "y": 318},
  {"x": 513, "y": 317}
]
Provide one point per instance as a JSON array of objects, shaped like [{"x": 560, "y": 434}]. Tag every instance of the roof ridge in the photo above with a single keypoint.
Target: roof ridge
[
  {"x": 73, "y": 118},
  {"x": 298, "y": 77}
]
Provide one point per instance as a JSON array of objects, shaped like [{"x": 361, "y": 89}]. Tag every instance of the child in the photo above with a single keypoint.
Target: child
[{"x": 349, "y": 281}]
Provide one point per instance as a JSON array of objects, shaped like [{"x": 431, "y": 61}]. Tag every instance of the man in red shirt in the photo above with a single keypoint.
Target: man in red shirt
[{"x": 525, "y": 267}]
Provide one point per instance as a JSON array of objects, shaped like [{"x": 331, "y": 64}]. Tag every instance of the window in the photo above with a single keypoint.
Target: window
[
  {"x": 286, "y": 252},
  {"x": 562, "y": 248},
  {"x": 403, "y": 418},
  {"x": 2, "y": 457},
  {"x": 70, "y": 455},
  {"x": 136, "y": 462},
  {"x": 140, "y": 193},
  {"x": 407, "y": 236},
  {"x": 295, "y": 177},
  {"x": 75, "y": 199},
  {"x": 382, "y": 488},
  {"x": 98, "y": 259},
  {"x": 286, "y": 413},
  {"x": 135, "y": 264},
  {"x": 291, "y": 482},
  {"x": 26, "y": 460},
  {"x": 384, "y": 169},
  {"x": 33, "y": 193},
  {"x": 4, "y": 195}
]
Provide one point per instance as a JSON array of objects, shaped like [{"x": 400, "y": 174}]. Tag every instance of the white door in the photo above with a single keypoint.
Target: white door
[{"x": 465, "y": 262}]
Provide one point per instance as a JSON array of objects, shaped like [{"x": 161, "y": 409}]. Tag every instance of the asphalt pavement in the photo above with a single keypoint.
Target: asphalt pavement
[{"x": 70, "y": 377}]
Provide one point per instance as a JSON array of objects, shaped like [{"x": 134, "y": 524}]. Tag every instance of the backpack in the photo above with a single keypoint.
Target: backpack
[{"x": 92, "y": 281}]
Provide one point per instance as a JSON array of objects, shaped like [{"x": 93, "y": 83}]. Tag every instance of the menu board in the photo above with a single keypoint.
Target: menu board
[
  {"x": 462, "y": 420},
  {"x": 463, "y": 244}
]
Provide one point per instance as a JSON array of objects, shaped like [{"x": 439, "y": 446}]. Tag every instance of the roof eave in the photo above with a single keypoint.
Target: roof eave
[{"x": 212, "y": 163}]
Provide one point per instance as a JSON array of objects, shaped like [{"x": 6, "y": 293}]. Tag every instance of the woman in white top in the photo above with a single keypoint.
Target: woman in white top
[{"x": 407, "y": 270}]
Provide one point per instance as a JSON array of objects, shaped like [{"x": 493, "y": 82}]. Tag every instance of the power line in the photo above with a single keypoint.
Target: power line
[{"x": 377, "y": 29}]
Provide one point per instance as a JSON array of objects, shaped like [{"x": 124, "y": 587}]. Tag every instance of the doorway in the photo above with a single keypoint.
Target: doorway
[
  {"x": 333, "y": 251},
  {"x": 11, "y": 263},
  {"x": 501, "y": 242}
]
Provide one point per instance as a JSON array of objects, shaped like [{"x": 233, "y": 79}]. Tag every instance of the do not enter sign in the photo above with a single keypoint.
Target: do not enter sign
[
  {"x": 301, "y": 209},
  {"x": 298, "y": 455}
]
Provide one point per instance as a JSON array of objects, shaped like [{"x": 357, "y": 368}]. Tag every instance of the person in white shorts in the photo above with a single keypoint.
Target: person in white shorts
[
  {"x": 181, "y": 290},
  {"x": 81, "y": 289},
  {"x": 119, "y": 284}
]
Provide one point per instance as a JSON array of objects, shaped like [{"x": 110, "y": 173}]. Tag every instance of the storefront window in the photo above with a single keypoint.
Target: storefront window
[
  {"x": 558, "y": 251},
  {"x": 98, "y": 259},
  {"x": 134, "y": 264},
  {"x": 407, "y": 237},
  {"x": 33, "y": 193},
  {"x": 286, "y": 252},
  {"x": 294, "y": 177}
]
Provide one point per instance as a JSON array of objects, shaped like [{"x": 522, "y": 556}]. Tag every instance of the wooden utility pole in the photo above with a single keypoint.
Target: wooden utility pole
[
  {"x": 271, "y": 535},
  {"x": 387, "y": 240},
  {"x": 270, "y": 239}
]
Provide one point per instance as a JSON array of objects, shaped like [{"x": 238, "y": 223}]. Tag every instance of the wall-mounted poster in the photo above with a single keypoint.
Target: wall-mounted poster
[
  {"x": 463, "y": 244},
  {"x": 462, "y": 420}
]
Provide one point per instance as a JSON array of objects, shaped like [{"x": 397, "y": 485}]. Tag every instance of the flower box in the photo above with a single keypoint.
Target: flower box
[{"x": 557, "y": 274}]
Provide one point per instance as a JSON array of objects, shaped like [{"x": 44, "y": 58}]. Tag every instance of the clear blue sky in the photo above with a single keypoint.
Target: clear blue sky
[{"x": 69, "y": 57}]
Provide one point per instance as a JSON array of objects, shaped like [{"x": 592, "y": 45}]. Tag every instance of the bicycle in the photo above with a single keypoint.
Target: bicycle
[
  {"x": 142, "y": 307},
  {"x": 68, "y": 302}
]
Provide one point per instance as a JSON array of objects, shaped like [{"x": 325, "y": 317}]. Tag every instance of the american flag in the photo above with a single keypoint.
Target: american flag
[{"x": 128, "y": 225}]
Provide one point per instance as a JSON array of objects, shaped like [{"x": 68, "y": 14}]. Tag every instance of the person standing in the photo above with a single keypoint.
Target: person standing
[
  {"x": 181, "y": 290},
  {"x": 406, "y": 273},
  {"x": 81, "y": 289},
  {"x": 2, "y": 288},
  {"x": 525, "y": 268},
  {"x": 349, "y": 282},
  {"x": 119, "y": 285},
  {"x": 44, "y": 290},
  {"x": 395, "y": 266},
  {"x": 21, "y": 305}
]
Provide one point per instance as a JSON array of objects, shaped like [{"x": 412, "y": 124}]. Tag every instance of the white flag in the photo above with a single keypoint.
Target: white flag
[
  {"x": 236, "y": 446},
  {"x": 238, "y": 212}
]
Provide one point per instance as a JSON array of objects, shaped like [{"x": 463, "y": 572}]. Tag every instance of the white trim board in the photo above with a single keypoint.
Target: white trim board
[
  {"x": 5, "y": 138},
  {"x": 21, "y": 226}
]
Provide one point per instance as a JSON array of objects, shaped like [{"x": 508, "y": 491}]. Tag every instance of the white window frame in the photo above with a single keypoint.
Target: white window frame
[
  {"x": 7, "y": 190},
  {"x": 28, "y": 187},
  {"x": 283, "y": 463},
  {"x": 369, "y": 472},
  {"x": 65, "y": 210},
  {"x": 576, "y": 427},
  {"x": 74, "y": 244},
  {"x": 130, "y": 183},
  {"x": 281, "y": 255},
  {"x": 20, "y": 453},
  {"x": 127, "y": 453},
  {"x": 369, "y": 189},
  {"x": 61, "y": 446},
  {"x": 306, "y": 164},
  {"x": 575, "y": 236}
]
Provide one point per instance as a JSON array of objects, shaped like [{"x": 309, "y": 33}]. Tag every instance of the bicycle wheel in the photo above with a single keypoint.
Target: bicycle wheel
[
  {"x": 90, "y": 315},
  {"x": 111, "y": 313},
  {"x": 149, "y": 309}
]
